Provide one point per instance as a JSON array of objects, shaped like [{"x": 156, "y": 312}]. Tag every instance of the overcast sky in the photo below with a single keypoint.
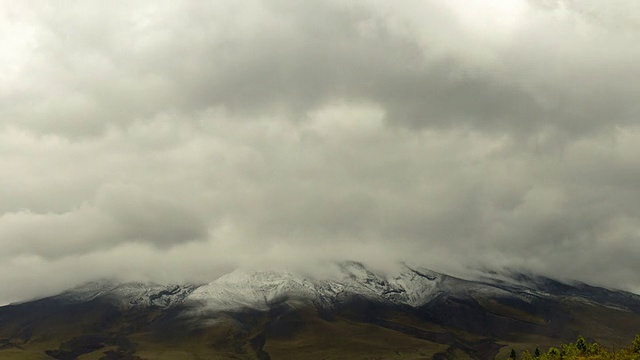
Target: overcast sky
[{"x": 175, "y": 141}]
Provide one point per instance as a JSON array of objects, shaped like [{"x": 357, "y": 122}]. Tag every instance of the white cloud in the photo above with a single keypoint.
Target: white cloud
[{"x": 135, "y": 140}]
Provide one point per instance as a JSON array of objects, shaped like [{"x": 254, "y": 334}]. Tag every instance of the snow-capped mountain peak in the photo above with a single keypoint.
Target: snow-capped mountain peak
[{"x": 259, "y": 290}]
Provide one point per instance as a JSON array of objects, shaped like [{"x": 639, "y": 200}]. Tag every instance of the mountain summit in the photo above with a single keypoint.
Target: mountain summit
[{"x": 413, "y": 313}]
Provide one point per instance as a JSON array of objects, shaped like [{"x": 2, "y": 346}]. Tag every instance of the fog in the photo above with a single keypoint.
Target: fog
[{"x": 177, "y": 141}]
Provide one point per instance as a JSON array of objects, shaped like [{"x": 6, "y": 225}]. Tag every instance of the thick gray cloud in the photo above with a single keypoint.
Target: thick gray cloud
[{"x": 174, "y": 141}]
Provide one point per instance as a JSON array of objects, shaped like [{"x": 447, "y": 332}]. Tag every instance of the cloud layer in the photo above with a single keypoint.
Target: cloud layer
[{"x": 171, "y": 142}]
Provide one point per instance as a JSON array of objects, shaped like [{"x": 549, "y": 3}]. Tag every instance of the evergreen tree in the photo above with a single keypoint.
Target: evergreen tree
[{"x": 513, "y": 355}]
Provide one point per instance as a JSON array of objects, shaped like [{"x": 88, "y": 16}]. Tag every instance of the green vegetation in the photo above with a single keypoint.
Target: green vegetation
[{"x": 582, "y": 350}]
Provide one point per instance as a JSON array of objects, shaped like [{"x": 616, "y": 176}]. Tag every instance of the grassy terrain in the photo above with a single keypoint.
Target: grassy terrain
[
  {"x": 343, "y": 338},
  {"x": 97, "y": 332},
  {"x": 581, "y": 349}
]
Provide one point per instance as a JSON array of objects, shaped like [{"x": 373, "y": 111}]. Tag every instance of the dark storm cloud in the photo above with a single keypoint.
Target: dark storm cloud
[{"x": 137, "y": 139}]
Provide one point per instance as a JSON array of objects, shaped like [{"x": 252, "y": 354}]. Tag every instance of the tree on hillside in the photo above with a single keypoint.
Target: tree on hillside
[
  {"x": 581, "y": 344},
  {"x": 635, "y": 346},
  {"x": 526, "y": 355},
  {"x": 582, "y": 350}
]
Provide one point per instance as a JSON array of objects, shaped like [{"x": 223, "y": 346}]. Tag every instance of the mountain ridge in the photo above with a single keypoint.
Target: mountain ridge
[
  {"x": 413, "y": 286},
  {"x": 353, "y": 313}
]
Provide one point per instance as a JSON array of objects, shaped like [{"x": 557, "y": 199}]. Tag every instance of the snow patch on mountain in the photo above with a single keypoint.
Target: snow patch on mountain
[
  {"x": 129, "y": 295},
  {"x": 254, "y": 290}
]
